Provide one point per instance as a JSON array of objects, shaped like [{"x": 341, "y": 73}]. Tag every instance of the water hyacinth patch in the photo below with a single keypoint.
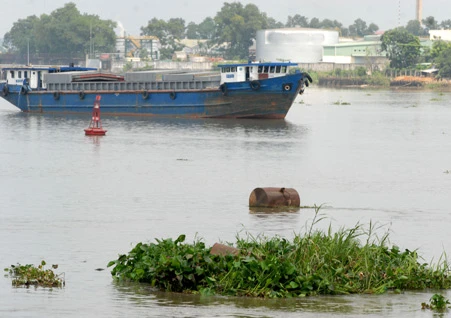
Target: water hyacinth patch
[
  {"x": 317, "y": 263},
  {"x": 29, "y": 275},
  {"x": 437, "y": 303},
  {"x": 169, "y": 265}
]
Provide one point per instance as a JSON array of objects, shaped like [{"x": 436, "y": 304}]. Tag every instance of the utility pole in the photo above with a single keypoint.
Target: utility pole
[{"x": 90, "y": 40}]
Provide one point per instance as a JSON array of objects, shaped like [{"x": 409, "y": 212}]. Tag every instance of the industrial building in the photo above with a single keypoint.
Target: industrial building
[
  {"x": 137, "y": 46},
  {"x": 444, "y": 35},
  {"x": 356, "y": 52},
  {"x": 300, "y": 45}
]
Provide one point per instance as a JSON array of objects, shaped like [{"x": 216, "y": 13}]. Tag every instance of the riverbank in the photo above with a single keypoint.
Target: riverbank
[{"x": 380, "y": 81}]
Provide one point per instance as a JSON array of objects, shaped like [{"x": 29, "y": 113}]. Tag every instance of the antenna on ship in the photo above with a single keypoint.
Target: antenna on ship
[{"x": 95, "y": 127}]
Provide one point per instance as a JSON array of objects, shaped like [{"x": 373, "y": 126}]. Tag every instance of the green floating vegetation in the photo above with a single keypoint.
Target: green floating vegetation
[
  {"x": 339, "y": 102},
  {"x": 29, "y": 275},
  {"x": 437, "y": 303},
  {"x": 316, "y": 263}
]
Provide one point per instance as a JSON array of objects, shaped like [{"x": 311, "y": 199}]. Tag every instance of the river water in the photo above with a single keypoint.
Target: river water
[{"x": 79, "y": 201}]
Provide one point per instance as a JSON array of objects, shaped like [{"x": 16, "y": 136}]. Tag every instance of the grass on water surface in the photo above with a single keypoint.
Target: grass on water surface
[
  {"x": 315, "y": 263},
  {"x": 30, "y": 275}
]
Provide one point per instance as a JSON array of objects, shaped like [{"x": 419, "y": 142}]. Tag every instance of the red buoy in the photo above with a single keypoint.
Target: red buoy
[{"x": 95, "y": 127}]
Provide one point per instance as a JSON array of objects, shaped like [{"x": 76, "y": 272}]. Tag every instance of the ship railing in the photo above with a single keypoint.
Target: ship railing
[{"x": 132, "y": 86}]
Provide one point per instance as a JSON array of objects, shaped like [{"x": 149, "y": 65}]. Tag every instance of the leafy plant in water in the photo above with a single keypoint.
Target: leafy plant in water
[
  {"x": 437, "y": 303},
  {"x": 318, "y": 262},
  {"x": 339, "y": 102},
  {"x": 29, "y": 275},
  {"x": 169, "y": 265}
]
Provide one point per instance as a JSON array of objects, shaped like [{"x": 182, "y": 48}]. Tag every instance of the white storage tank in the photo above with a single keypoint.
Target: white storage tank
[{"x": 299, "y": 45}]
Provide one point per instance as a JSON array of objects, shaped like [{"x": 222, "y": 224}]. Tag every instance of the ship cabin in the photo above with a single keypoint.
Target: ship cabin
[
  {"x": 32, "y": 77},
  {"x": 253, "y": 71}
]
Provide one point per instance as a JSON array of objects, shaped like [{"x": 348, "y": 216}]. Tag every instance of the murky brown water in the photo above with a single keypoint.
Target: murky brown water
[{"x": 78, "y": 201}]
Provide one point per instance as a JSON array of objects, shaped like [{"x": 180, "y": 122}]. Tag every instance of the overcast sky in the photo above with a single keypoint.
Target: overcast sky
[{"x": 136, "y": 13}]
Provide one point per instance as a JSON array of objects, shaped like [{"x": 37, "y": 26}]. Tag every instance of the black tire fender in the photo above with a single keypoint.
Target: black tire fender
[
  {"x": 56, "y": 95},
  {"x": 172, "y": 95},
  {"x": 255, "y": 85},
  {"x": 224, "y": 89},
  {"x": 5, "y": 90},
  {"x": 81, "y": 95},
  {"x": 308, "y": 77}
]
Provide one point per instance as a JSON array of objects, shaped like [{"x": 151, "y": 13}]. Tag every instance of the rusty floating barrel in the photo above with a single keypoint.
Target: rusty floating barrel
[{"x": 274, "y": 197}]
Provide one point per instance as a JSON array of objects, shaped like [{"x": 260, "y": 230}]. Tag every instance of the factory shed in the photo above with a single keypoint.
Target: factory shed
[
  {"x": 300, "y": 45},
  {"x": 444, "y": 35},
  {"x": 355, "y": 52}
]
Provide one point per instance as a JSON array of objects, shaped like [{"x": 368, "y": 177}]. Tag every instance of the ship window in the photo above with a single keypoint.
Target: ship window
[
  {"x": 272, "y": 69},
  {"x": 25, "y": 74},
  {"x": 284, "y": 69},
  {"x": 278, "y": 69},
  {"x": 233, "y": 69},
  {"x": 19, "y": 74},
  {"x": 12, "y": 74},
  {"x": 260, "y": 69},
  {"x": 266, "y": 69}
]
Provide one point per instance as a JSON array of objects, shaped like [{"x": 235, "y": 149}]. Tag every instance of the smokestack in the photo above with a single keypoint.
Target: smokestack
[{"x": 419, "y": 10}]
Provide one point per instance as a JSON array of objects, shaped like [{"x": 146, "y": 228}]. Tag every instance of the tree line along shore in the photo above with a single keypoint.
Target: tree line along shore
[{"x": 388, "y": 78}]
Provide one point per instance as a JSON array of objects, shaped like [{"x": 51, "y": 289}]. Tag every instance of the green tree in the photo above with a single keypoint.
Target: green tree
[
  {"x": 444, "y": 63},
  {"x": 176, "y": 28},
  {"x": 401, "y": 47},
  {"x": 207, "y": 29},
  {"x": 297, "y": 20},
  {"x": 22, "y": 35},
  {"x": 192, "y": 31},
  {"x": 446, "y": 24},
  {"x": 414, "y": 28},
  {"x": 430, "y": 23},
  {"x": 360, "y": 28},
  {"x": 238, "y": 25},
  {"x": 372, "y": 28},
  {"x": 425, "y": 56},
  {"x": 327, "y": 24},
  {"x": 438, "y": 47},
  {"x": 344, "y": 32},
  {"x": 315, "y": 23},
  {"x": 273, "y": 24},
  {"x": 156, "y": 27},
  {"x": 64, "y": 31},
  {"x": 168, "y": 33}
]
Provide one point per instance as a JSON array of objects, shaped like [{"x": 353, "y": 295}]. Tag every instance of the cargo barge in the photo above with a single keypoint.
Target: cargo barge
[{"x": 243, "y": 90}]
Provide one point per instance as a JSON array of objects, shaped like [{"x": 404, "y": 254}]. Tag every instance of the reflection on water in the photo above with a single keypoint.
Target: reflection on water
[
  {"x": 187, "y": 305},
  {"x": 79, "y": 201},
  {"x": 263, "y": 211}
]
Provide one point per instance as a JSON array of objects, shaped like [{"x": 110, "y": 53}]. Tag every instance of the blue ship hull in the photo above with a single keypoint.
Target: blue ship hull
[{"x": 271, "y": 99}]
